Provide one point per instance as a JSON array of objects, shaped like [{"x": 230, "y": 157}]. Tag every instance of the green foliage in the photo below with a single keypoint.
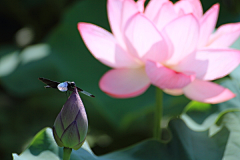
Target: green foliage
[
  {"x": 186, "y": 144},
  {"x": 223, "y": 115},
  {"x": 231, "y": 121}
]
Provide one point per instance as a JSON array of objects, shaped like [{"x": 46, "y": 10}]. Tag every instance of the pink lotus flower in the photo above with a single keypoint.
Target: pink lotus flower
[{"x": 171, "y": 46}]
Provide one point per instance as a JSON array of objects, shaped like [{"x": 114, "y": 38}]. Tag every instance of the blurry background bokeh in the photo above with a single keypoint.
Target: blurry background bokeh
[{"x": 39, "y": 38}]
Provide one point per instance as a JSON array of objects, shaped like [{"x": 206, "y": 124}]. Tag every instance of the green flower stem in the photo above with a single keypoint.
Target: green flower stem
[
  {"x": 158, "y": 114},
  {"x": 67, "y": 153}
]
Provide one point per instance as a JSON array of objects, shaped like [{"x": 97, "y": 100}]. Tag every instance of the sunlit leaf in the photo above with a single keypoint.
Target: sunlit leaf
[
  {"x": 34, "y": 53},
  {"x": 8, "y": 63},
  {"x": 232, "y": 121}
]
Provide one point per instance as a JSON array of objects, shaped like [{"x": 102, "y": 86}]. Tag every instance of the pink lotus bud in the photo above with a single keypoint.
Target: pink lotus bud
[{"x": 71, "y": 125}]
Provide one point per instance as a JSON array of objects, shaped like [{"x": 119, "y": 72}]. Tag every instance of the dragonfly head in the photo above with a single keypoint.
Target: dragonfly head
[{"x": 72, "y": 84}]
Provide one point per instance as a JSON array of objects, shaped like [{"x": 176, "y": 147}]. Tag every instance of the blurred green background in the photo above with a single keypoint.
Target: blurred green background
[{"x": 39, "y": 38}]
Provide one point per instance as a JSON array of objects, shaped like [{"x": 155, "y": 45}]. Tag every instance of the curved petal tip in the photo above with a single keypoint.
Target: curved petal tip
[{"x": 207, "y": 92}]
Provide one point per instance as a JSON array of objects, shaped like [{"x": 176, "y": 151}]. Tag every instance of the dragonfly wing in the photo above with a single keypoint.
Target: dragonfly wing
[
  {"x": 85, "y": 92},
  {"x": 49, "y": 83}
]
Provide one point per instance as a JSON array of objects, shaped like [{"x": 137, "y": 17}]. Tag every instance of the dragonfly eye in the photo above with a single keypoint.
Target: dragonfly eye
[
  {"x": 72, "y": 84},
  {"x": 63, "y": 86}
]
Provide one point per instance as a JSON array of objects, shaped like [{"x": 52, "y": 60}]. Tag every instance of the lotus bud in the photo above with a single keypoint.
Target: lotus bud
[{"x": 71, "y": 125}]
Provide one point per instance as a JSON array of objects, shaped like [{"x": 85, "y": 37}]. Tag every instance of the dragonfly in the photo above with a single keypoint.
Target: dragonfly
[{"x": 64, "y": 86}]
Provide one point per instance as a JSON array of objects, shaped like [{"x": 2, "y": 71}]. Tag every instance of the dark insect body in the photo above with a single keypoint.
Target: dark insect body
[{"x": 64, "y": 86}]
